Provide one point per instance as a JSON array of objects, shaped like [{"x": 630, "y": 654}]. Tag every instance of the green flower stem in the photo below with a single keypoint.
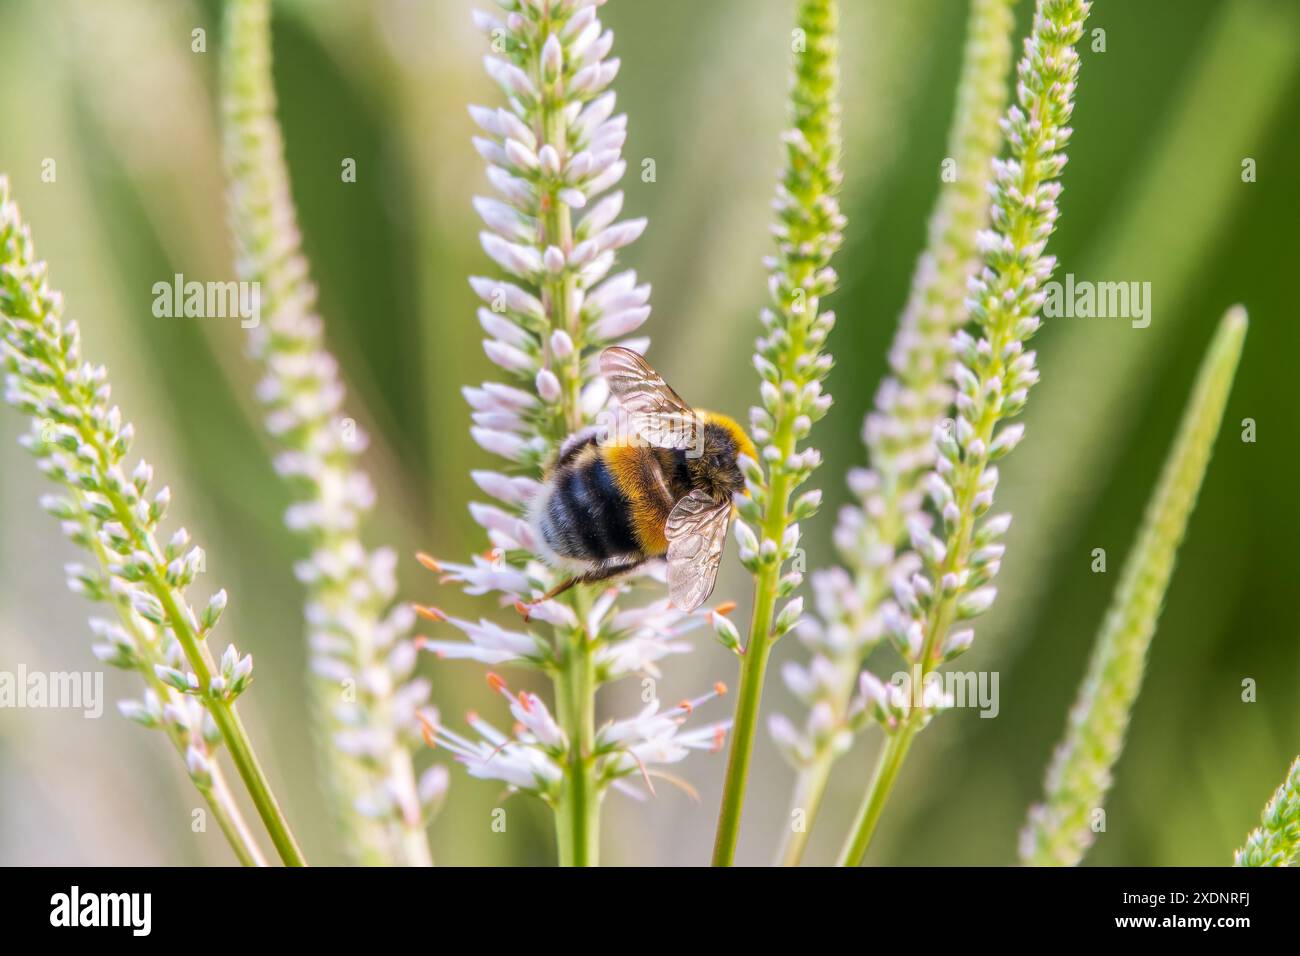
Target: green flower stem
[
  {"x": 1276, "y": 842},
  {"x": 753, "y": 661},
  {"x": 891, "y": 757},
  {"x": 259, "y": 788},
  {"x": 888, "y": 765},
  {"x": 233, "y": 826},
  {"x": 812, "y": 778},
  {"x": 1059, "y": 832},
  {"x": 577, "y": 812},
  {"x": 232, "y": 729},
  {"x": 218, "y": 796},
  {"x": 753, "y": 669}
]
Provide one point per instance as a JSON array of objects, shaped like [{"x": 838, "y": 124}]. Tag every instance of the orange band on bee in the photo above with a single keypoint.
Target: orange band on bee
[{"x": 637, "y": 474}]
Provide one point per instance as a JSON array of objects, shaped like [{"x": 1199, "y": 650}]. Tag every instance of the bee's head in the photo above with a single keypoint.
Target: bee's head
[{"x": 717, "y": 468}]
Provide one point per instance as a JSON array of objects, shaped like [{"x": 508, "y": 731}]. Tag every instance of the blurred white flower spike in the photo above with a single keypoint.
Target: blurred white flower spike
[{"x": 361, "y": 654}]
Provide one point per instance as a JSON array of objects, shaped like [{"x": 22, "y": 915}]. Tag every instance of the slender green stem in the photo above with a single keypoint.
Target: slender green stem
[
  {"x": 938, "y": 622},
  {"x": 218, "y": 796},
  {"x": 888, "y": 765},
  {"x": 753, "y": 664},
  {"x": 812, "y": 778},
  {"x": 577, "y": 812},
  {"x": 259, "y": 788},
  {"x": 223, "y": 712},
  {"x": 753, "y": 668},
  {"x": 226, "y": 717},
  {"x": 226, "y": 812}
]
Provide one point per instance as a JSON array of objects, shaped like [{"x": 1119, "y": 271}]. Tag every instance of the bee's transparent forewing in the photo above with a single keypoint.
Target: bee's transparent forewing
[
  {"x": 696, "y": 532},
  {"x": 655, "y": 412}
]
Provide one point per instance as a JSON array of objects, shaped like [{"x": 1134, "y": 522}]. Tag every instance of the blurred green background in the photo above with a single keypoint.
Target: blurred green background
[{"x": 1183, "y": 93}]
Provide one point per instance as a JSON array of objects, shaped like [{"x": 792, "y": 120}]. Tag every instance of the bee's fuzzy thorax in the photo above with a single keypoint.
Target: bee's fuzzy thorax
[
  {"x": 716, "y": 469},
  {"x": 743, "y": 444}
]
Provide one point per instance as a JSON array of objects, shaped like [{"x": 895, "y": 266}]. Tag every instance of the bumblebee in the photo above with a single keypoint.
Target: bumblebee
[{"x": 659, "y": 486}]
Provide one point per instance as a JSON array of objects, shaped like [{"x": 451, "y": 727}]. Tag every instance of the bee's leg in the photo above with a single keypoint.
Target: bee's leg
[
  {"x": 560, "y": 589},
  {"x": 590, "y": 577},
  {"x": 526, "y": 607},
  {"x": 609, "y": 571}
]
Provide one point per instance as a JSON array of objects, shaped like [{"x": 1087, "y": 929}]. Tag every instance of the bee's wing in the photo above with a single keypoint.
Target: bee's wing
[
  {"x": 696, "y": 532},
  {"x": 657, "y": 413}
]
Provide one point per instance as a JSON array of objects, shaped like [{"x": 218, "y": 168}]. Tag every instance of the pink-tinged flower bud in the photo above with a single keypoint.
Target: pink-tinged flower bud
[
  {"x": 552, "y": 58},
  {"x": 500, "y": 443},
  {"x": 619, "y": 324},
  {"x": 507, "y": 356},
  {"x": 548, "y": 386}
]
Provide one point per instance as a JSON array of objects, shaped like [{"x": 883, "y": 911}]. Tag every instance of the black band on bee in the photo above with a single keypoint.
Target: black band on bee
[{"x": 586, "y": 517}]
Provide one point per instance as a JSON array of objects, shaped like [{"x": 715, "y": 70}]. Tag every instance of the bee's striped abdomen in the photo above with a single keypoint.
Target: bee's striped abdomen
[
  {"x": 649, "y": 480},
  {"x": 586, "y": 516}
]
